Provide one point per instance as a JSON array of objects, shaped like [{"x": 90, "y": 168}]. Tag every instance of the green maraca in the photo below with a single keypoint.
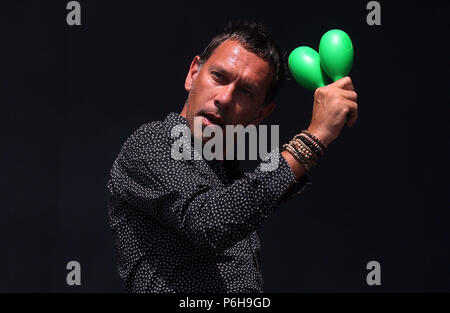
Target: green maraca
[
  {"x": 335, "y": 58},
  {"x": 336, "y": 53},
  {"x": 304, "y": 65}
]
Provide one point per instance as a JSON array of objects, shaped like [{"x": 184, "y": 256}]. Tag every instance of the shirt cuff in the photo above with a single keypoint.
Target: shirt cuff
[{"x": 298, "y": 185}]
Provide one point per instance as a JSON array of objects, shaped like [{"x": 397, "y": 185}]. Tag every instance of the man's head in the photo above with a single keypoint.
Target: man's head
[{"x": 236, "y": 78}]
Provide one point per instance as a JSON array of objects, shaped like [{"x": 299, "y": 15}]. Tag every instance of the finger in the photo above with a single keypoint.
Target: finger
[
  {"x": 352, "y": 116},
  {"x": 349, "y": 95},
  {"x": 350, "y": 110},
  {"x": 344, "y": 83}
]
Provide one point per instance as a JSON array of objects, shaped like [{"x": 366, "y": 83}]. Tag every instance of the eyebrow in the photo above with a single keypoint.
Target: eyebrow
[{"x": 245, "y": 84}]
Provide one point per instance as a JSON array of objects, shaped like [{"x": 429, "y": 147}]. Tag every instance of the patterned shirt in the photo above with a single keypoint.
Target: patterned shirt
[{"x": 189, "y": 225}]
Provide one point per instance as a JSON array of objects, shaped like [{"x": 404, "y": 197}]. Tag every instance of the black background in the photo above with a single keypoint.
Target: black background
[{"x": 72, "y": 95}]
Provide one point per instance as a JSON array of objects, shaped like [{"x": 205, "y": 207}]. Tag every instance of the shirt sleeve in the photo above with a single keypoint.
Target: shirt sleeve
[{"x": 144, "y": 177}]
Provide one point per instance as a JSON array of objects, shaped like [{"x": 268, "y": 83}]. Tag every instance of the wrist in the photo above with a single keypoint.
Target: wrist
[{"x": 326, "y": 138}]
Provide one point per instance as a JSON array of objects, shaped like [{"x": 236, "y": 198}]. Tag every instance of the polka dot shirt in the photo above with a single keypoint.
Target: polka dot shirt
[{"x": 189, "y": 225}]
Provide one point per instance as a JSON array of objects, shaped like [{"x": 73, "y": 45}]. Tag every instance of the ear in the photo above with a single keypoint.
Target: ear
[
  {"x": 263, "y": 113},
  {"x": 193, "y": 71}
]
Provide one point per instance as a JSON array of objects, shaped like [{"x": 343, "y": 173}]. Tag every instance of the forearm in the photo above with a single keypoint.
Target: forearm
[{"x": 296, "y": 166}]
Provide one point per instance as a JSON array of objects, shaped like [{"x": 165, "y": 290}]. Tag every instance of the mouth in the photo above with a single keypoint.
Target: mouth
[{"x": 212, "y": 119}]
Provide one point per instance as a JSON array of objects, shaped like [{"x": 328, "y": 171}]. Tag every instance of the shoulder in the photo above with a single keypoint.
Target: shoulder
[
  {"x": 148, "y": 139},
  {"x": 147, "y": 132}
]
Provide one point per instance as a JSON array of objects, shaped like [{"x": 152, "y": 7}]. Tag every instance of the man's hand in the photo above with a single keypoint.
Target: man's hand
[{"x": 332, "y": 104}]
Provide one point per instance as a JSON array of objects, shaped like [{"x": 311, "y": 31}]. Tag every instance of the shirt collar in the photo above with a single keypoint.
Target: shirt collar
[{"x": 171, "y": 120}]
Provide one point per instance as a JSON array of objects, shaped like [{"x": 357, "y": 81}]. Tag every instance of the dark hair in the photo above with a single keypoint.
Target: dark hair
[{"x": 254, "y": 37}]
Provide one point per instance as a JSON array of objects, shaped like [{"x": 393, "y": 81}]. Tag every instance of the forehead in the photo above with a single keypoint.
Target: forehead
[{"x": 232, "y": 56}]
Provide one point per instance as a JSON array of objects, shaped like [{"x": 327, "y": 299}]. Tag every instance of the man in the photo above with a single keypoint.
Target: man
[{"x": 189, "y": 225}]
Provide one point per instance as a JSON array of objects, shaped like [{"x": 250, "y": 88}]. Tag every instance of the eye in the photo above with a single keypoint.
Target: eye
[
  {"x": 246, "y": 92},
  {"x": 217, "y": 75}
]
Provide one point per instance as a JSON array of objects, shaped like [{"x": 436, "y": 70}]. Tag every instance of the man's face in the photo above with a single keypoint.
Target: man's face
[{"x": 229, "y": 88}]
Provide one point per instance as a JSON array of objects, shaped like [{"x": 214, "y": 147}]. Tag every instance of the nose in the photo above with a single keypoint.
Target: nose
[{"x": 224, "y": 98}]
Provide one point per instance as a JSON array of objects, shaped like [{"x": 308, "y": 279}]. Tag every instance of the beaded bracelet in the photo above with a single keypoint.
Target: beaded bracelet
[
  {"x": 306, "y": 148},
  {"x": 306, "y": 165},
  {"x": 311, "y": 144},
  {"x": 311, "y": 156},
  {"x": 299, "y": 156},
  {"x": 299, "y": 146},
  {"x": 299, "y": 143},
  {"x": 317, "y": 140}
]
